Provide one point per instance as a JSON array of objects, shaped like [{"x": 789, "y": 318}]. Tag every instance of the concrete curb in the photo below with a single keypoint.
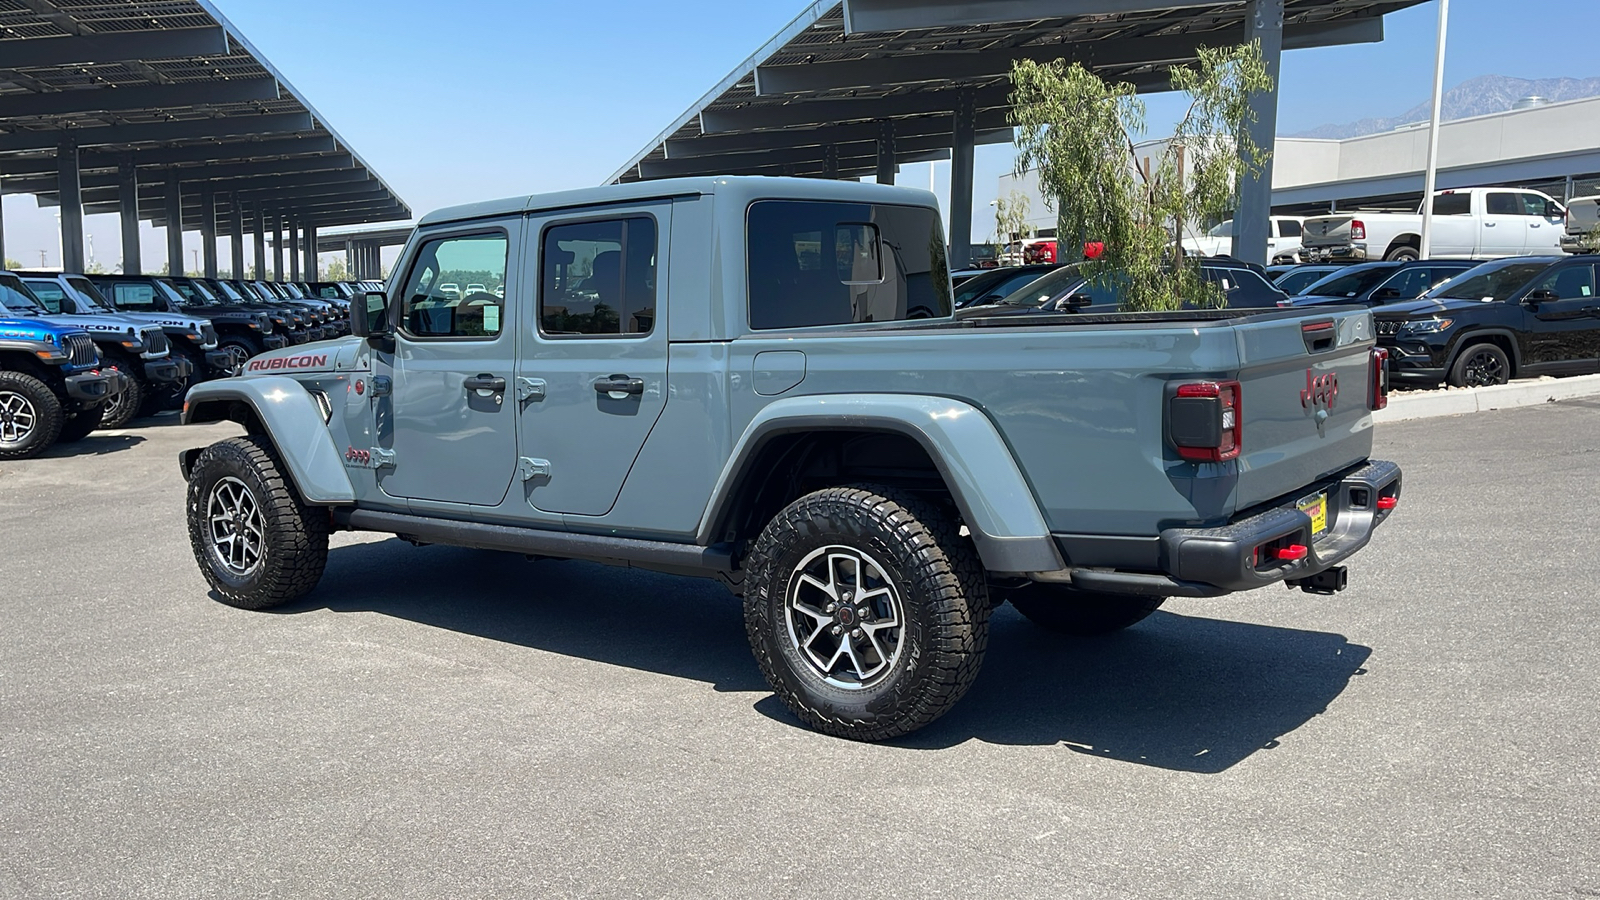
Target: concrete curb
[{"x": 1403, "y": 407}]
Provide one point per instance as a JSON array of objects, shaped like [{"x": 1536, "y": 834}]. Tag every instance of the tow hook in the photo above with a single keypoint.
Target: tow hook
[{"x": 1328, "y": 581}]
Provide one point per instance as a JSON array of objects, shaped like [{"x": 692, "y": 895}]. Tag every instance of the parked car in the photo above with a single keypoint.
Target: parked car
[
  {"x": 1477, "y": 223},
  {"x": 995, "y": 284},
  {"x": 135, "y": 349},
  {"x": 1283, "y": 243},
  {"x": 1296, "y": 279},
  {"x": 1581, "y": 234},
  {"x": 869, "y": 474},
  {"x": 242, "y": 332},
  {"x": 1069, "y": 289},
  {"x": 51, "y": 385},
  {"x": 1498, "y": 321},
  {"x": 1374, "y": 284}
]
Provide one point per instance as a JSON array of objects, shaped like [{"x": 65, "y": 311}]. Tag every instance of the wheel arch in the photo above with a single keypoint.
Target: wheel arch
[
  {"x": 1500, "y": 337},
  {"x": 1414, "y": 241},
  {"x": 283, "y": 412},
  {"x": 937, "y": 441}
]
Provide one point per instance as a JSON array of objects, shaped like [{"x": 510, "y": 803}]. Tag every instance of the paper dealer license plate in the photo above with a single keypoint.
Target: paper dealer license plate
[{"x": 1317, "y": 508}]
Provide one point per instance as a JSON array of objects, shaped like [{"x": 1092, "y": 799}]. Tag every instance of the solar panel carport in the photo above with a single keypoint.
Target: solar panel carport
[
  {"x": 161, "y": 110},
  {"x": 857, "y": 88}
]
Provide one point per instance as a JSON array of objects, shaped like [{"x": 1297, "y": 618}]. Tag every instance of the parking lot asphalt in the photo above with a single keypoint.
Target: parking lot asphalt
[{"x": 438, "y": 722}]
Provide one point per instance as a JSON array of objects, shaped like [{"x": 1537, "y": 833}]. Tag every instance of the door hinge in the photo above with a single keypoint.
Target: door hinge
[
  {"x": 382, "y": 386},
  {"x": 529, "y": 389},
  {"x": 533, "y": 468}
]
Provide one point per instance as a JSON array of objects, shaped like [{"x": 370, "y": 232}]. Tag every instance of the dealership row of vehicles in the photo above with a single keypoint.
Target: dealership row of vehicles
[{"x": 81, "y": 352}]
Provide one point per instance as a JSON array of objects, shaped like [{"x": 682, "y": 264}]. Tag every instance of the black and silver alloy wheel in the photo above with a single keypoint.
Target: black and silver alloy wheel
[
  {"x": 18, "y": 418},
  {"x": 844, "y": 616},
  {"x": 867, "y": 610},
  {"x": 234, "y": 527},
  {"x": 1481, "y": 365},
  {"x": 238, "y": 355}
]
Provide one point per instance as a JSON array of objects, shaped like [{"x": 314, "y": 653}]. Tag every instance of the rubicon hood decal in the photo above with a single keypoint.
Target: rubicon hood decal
[{"x": 299, "y": 361}]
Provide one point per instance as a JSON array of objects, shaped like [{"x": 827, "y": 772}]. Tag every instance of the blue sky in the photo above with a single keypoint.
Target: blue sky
[{"x": 473, "y": 99}]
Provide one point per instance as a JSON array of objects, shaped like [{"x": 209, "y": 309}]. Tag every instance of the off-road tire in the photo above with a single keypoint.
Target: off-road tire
[
  {"x": 41, "y": 404},
  {"x": 1480, "y": 365},
  {"x": 942, "y": 599},
  {"x": 294, "y": 536},
  {"x": 78, "y": 426},
  {"x": 1065, "y": 610},
  {"x": 123, "y": 408}
]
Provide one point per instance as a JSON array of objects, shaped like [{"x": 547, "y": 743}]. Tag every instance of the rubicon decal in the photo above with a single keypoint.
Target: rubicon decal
[
  {"x": 305, "y": 361},
  {"x": 1320, "y": 390}
]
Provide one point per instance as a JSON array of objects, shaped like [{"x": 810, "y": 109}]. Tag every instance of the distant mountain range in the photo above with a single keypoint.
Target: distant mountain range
[{"x": 1478, "y": 97}]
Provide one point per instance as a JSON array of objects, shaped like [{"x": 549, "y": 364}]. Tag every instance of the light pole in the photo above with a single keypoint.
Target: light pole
[
  {"x": 195, "y": 255},
  {"x": 1431, "y": 174}
]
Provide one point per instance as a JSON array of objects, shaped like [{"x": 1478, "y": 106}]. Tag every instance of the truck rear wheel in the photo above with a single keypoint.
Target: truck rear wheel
[
  {"x": 30, "y": 416},
  {"x": 867, "y": 611},
  {"x": 257, "y": 543},
  {"x": 1402, "y": 253},
  {"x": 1066, "y": 610}
]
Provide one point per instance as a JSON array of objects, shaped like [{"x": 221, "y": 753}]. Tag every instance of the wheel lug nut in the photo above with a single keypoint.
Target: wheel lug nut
[
  {"x": 855, "y": 633},
  {"x": 836, "y": 629},
  {"x": 831, "y": 607}
]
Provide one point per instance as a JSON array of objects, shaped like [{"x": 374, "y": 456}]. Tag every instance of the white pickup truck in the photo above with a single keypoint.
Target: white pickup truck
[
  {"x": 1583, "y": 225},
  {"x": 1475, "y": 223}
]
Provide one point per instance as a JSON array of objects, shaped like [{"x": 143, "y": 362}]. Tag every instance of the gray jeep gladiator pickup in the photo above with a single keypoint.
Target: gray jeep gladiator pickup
[{"x": 760, "y": 380}]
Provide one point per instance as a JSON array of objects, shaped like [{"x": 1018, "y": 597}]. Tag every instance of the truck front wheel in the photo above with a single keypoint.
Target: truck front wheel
[
  {"x": 1066, "y": 610},
  {"x": 257, "y": 543},
  {"x": 867, "y": 611},
  {"x": 30, "y": 416},
  {"x": 122, "y": 407}
]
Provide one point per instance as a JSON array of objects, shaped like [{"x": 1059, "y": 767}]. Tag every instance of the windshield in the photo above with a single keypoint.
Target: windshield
[
  {"x": 226, "y": 290},
  {"x": 15, "y": 296},
  {"x": 89, "y": 294},
  {"x": 1036, "y": 292},
  {"x": 194, "y": 292},
  {"x": 1223, "y": 229},
  {"x": 1350, "y": 283},
  {"x": 991, "y": 286},
  {"x": 1495, "y": 281}
]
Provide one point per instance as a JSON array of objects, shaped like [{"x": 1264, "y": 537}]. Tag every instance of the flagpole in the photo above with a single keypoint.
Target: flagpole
[{"x": 1431, "y": 175}]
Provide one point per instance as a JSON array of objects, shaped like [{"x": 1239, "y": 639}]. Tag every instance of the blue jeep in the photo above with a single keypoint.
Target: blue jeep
[{"x": 51, "y": 386}]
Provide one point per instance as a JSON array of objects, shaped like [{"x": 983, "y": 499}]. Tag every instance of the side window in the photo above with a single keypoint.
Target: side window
[
  {"x": 134, "y": 296},
  {"x": 1535, "y": 205},
  {"x": 598, "y": 277},
  {"x": 433, "y": 304},
  {"x": 1503, "y": 204},
  {"x": 1452, "y": 205},
  {"x": 1569, "y": 283},
  {"x": 816, "y": 263},
  {"x": 49, "y": 293},
  {"x": 1407, "y": 285},
  {"x": 1288, "y": 228}
]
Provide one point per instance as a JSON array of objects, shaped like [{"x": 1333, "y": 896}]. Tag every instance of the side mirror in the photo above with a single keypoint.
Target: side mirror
[
  {"x": 369, "y": 316},
  {"x": 1073, "y": 302}
]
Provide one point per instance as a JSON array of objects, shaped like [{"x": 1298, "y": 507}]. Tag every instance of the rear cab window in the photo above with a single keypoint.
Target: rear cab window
[{"x": 818, "y": 263}]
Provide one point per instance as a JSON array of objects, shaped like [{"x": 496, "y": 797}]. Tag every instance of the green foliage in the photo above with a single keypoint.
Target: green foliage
[
  {"x": 11, "y": 264},
  {"x": 336, "y": 271},
  {"x": 1079, "y": 132},
  {"x": 1011, "y": 217}
]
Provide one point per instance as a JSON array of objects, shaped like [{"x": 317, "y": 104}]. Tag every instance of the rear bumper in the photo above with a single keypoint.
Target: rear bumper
[
  {"x": 1210, "y": 562},
  {"x": 1338, "y": 253}
]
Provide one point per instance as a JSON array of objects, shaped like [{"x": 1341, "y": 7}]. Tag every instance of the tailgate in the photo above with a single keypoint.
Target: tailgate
[
  {"x": 1305, "y": 392},
  {"x": 1583, "y": 215},
  {"x": 1326, "y": 231}
]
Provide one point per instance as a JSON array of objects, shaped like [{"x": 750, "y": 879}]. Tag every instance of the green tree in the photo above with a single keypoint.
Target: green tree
[
  {"x": 336, "y": 271},
  {"x": 1079, "y": 132},
  {"x": 1011, "y": 217},
  {"x": 12, "y": 264}
]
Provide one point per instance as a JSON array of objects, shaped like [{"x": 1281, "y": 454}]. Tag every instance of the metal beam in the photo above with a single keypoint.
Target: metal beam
[
  {"x": 208, "y": 230},
  {"x": 913, "y": 68},
  {"x": 128, "y": 211},
  {"x": 277, "y": 247},
  {"x": 1252, "y": 223},
  {"x": 183, "y": 130},
  {"x": 282, "y": 169},
  {"x": 885, "y": 148},
  {"x": 166, "y": 156},
  {"x": 72, "y": 259},
  {"x": 120, "y": 46},
  {"x": 260, "y": 230},
  {"x": 921, "y": 126},
  {"x": 907, "y": 15},
  {"x": 330, "y": 182},
  {"x": 845, "y": 154},
  {"x": 827, "y": 112},
  {"x": 294, "y": 249},
  {"x": 961, "y": 165},
  {"x": 174, "y": 205},
  {"x": 150, "y": 97}
]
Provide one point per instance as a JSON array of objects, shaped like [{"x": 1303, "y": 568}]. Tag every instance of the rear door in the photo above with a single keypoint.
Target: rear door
[
  {"x": 1503, "y": 227},
  {"x": 1544, "y": 226},
  {"x": 454, "y": 417},
  {"x": 593, "y": 369},
  {"x": 1564, "y": 332},
  {"x": 1455, "y": 232}
]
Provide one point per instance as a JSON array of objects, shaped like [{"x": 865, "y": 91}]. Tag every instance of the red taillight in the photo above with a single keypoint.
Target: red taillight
[
  {"x": 1205, "y": 420},
  {"x": 1379, "y": 379},
  {"x": 1358, "y": 230}
]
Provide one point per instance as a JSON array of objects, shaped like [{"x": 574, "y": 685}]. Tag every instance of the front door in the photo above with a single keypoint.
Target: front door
[
  {"x": 454, "y": 431},
  {"x": 1564, "y": 328},
  {"x": 594, "y": 364}
]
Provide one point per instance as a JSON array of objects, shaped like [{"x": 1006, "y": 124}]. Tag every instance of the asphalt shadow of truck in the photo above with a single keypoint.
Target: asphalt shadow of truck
[{"x": 1176, "y": 692}]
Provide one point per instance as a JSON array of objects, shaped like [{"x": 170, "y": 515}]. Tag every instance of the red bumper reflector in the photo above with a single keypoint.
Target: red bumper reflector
[
  {"x": 1293, "y": 551},
  {"x": 1388, "y": 502}
]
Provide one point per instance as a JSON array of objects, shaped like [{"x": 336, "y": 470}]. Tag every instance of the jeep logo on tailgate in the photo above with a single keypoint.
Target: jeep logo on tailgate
[{"x": 1320, "y": 390}]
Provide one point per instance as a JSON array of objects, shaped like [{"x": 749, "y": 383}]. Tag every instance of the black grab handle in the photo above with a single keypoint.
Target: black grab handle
[{"x": 619, "y": 384}]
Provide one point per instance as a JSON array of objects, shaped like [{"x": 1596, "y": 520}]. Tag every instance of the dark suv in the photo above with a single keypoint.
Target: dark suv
[
  {"x": 241, "y": 332},
  {"x": 1380, "y": 283},
  {"x": 1530, "y": 315}
]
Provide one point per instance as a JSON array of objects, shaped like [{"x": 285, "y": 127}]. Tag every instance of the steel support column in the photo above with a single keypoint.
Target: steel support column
[
  {"x": 961, "y": 182},
  {"x": 236, "y": 235},
  {"x": 128, "y": 211},
  {"x": 2, "y": 225},
  {"x": 294, "y": 250},
  {"x": 886, "y": 152},
  {"x": 277, "y": 247},
  {"x": 311, "y": 252},
  {"x": 830, "y": 161},
  {"x": 1252, "y": 221},
  {"x": 208, "y": 230},
  {"x": 261, "y": 244},
  {"x": 174, "y": 204},
  {"x": 71, "y": 208},
  {"x": 350, "y": 258}
]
